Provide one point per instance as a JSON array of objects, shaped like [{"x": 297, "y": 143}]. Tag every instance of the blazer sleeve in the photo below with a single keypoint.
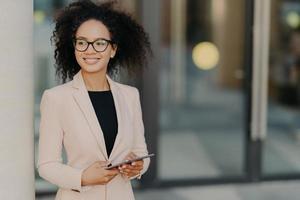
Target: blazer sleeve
[
  {"x": 139, "y": 145},
  {"x": 49, "y": 165}
]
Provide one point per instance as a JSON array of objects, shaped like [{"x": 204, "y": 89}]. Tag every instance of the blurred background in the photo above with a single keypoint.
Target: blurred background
[{"x": 220, "y": 99}]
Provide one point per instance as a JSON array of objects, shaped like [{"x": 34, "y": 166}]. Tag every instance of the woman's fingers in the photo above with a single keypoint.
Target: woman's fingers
[
  {"x": 133, "y": 168},
  {"x": 133, "y": 172},
  {"x": 112, "y": 172},
  {"x": 130, "y": 172},
  {"x": 134, "y": 164},
  {"x": 128, "y": 175},
  {"x": 138, "y": 163},
  {"x": 130, "y": 168}
]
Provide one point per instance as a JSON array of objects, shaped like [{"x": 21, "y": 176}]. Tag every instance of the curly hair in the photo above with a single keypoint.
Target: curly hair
[{"x": 131, "y": 39}]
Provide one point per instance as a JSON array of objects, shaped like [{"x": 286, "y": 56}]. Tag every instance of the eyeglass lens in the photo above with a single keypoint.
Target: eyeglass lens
[{"x": 98, "y": 45}]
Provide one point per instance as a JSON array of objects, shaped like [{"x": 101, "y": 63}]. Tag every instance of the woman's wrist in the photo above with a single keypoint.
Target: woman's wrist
[{"x": 84, "y": 180}]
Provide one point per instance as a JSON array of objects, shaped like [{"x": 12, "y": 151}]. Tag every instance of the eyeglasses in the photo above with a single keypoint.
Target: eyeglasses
[{"x": 98, "y": 45}]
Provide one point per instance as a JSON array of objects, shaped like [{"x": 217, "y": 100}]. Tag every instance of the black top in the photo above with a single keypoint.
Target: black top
[{"x": 104, "y": 107}]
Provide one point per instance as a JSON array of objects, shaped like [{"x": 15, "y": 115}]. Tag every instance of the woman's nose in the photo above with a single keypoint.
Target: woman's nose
[{"x": 90, "y": 49}]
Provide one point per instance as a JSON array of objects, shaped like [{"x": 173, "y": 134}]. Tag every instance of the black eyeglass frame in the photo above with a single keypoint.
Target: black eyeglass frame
[{"x": 92, "y": 43}]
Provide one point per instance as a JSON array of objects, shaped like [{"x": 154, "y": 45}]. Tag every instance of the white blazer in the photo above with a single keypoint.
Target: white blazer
[{"x": 68, "y": 120}]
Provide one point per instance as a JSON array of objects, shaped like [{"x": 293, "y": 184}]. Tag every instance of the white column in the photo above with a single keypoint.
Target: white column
[
  {"x": 260, "y": 69},
  {"x": 16, "y": 100}
]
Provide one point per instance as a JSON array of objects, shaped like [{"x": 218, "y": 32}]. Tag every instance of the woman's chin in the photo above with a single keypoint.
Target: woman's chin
[{"x": 93, "y": 69}]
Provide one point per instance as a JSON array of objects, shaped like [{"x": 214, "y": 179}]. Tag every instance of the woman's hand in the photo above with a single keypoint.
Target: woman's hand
[
  {"x": 133, "y": 169},
  {"x": 96, "y": 174}
]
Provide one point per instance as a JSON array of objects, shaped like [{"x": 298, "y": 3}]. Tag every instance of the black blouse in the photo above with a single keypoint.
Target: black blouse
[{"x": 104, "y": 107}]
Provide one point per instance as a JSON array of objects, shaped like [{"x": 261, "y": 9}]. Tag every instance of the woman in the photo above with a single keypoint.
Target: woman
[{"x": 97, "y": 120}]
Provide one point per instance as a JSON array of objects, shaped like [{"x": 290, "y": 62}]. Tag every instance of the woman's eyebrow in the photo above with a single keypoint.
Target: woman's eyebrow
[{"x": 81, "y": 37}]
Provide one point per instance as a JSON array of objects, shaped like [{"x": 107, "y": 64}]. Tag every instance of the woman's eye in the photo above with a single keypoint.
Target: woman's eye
[
  {"x": 80, "y": 42},
  {"x": 100, "y": 43}
]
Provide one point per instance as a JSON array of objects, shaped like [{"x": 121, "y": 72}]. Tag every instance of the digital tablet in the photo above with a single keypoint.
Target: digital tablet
[{"x": 110, "y": 166}]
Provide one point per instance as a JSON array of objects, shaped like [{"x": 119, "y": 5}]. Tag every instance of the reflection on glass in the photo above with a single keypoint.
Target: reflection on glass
[
  {"x": 205, "y": 55},
  {"x": 202, "y": 111},
  {"x": 282, "y": 148}
]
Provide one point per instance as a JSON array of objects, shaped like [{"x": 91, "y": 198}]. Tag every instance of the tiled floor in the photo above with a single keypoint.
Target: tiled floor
[{"x": 285, "y": 190}]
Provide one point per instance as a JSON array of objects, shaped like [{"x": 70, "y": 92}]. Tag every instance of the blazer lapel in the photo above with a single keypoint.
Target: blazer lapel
[
  {"x": 118, "y": 106},
  {"x": 82, "y": 98}
]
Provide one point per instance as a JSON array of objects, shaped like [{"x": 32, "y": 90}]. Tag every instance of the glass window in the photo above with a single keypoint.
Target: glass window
[
  {"x": 202, "y": 107},
  {"x": 281, "y": 153}
]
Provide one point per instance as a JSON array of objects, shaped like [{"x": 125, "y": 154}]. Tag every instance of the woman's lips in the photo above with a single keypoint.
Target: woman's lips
[{"x": 91, "y": 61}]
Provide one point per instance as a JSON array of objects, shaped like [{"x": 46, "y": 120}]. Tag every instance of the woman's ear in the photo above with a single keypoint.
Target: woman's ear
[
  {"x": 114, "y": 50},
  {"x": 115, "y": 47}
]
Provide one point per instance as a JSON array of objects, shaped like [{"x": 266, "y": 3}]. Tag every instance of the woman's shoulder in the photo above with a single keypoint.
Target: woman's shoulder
[
  {"x": 127, "y": 89},
  {"x": 58, "y": 90}
]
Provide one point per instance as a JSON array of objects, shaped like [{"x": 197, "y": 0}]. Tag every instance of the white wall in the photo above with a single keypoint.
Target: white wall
[{"x": 16, "y": 100}]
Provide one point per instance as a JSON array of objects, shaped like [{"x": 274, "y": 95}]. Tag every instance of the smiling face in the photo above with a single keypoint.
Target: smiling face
[{"x": 90, "y": 60}]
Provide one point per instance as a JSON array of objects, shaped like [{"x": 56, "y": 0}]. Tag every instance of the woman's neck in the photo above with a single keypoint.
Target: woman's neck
[{"x": 95, "y": 81}]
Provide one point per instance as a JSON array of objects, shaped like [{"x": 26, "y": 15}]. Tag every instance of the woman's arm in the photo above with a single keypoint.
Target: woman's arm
[
  {"x": 140, "y": 146},
  {"x": 49, "y": 164}
]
